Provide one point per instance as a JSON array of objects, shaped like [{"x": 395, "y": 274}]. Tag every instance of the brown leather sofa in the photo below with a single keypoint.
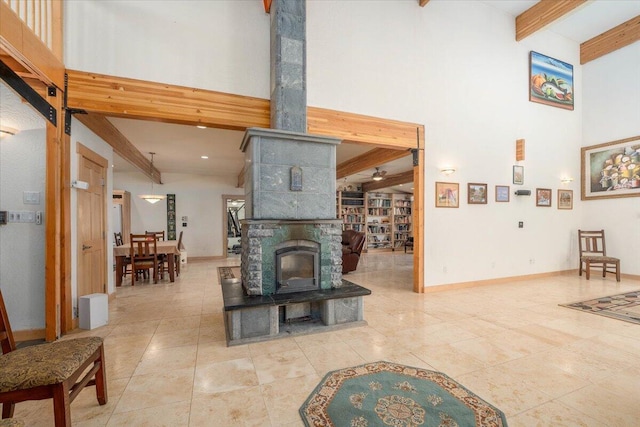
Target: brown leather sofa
[{"x": 352, "y": 245}]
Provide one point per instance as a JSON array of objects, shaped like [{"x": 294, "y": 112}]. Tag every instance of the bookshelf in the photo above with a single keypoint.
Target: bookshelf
[
  {"x": 402, "y": 205},
  {"x": 378, "y": 219},
  {"x": 351, "y": 210}
]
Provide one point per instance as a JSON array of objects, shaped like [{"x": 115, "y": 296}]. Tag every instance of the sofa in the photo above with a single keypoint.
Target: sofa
[{"x": 352, "y": 245}]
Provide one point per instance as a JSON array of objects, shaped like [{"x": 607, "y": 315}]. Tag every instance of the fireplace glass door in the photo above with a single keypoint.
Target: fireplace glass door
[{"x": 297, "y": 269}]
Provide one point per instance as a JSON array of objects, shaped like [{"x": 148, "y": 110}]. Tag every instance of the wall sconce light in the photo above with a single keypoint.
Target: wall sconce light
[
  {"x": 447, "y": 170},
  {"x": 566, "y": 180},
  {"x": 7, "y": 131}
]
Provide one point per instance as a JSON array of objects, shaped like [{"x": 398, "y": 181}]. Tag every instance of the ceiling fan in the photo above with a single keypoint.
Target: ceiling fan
[{"x": 378, "y": 175}]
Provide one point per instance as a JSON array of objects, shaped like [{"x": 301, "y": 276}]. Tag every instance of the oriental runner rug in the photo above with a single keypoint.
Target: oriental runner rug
[
  {"x": 624, "y": 306},
  {"x": 388, "y": 394}
]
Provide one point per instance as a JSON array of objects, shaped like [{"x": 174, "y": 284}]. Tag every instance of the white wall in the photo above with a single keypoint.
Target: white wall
[
  {"x": 453, "y": 66},
  {"x": 217, "y": 45},
  {"x": 456, "y": 67},
  {"x": 80, "y": 134},
  {"x": 612, "y": 112},
  {"x": 198, "y": 197},
  {"x": 22, "y": 168}
]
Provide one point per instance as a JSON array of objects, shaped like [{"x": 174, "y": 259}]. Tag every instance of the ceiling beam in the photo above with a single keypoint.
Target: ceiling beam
[
  {"x": 121, "y": 145},
  {"x": 369, "y": 160},
  {"x": 423, "y": 3},
  {"x": 389, "y": 181},
  {"x": 609, "y": 41},
  {"x": 139, "y": 99},
  {"x": 267, "y": 5},
  {"x": 542, "y": 14}
]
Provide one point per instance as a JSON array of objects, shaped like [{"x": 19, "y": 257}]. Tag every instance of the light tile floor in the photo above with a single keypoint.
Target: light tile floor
[{"x": 543, "y": 365}]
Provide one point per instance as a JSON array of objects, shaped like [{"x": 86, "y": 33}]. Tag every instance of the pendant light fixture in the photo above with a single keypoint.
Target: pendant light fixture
[{"x": 152, "y": 198}]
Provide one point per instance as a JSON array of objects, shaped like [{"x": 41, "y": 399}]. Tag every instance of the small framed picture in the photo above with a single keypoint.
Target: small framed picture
[
  {"x": 543, "y": 197},
  {"x": 518, "y": 175},
  {"x": 447, "y": 194},
  {"x": 476, "y": 194},
  {"x": 502, "y": 193},
  {"x": 565, "y": 199}
]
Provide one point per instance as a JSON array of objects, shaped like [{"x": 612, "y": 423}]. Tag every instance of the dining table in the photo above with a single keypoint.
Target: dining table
[{"x": 167, "y": 247}]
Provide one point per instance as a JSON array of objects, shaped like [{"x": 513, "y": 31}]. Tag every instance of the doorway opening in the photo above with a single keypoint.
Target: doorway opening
[{"x": 233, "y": 213}]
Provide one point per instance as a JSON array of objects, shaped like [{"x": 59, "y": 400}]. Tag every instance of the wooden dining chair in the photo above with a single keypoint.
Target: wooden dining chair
[
  {"x": 593, "y": 253},
  {"x": 118, "y": 239},
  {"x": 162, "y": 258},
  {"x": 177, "y": 257},
  {"x": 143, "y": 256},
  {"x": 49, "y": 371}
]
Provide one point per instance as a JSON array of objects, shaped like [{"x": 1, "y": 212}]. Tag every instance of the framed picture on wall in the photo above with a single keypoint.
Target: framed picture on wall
[
  {"x": 543, "y": 197},
  {"x": 550, "y": 81},
  {"x": 565, "y": 199},
  {"x": 447, "y": 194},
  {"x": 518, "y": 175},
  {"x": 476, "y": 194},
  {"x": 611, "y": 169},
  {"x": 502, "y": 193}
]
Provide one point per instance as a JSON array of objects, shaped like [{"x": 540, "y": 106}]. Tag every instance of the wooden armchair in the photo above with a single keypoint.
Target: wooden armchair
[
  {"x": 143, "y": 256},
  {"x": 49, "y": 371},
  {"x": 593, "y": 253}
]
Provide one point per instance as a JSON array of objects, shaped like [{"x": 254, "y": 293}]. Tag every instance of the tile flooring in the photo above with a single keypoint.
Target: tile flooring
[{"x": 543, "y": 365}]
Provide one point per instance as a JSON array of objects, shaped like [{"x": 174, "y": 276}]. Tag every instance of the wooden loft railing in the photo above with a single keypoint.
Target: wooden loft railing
[{"x": 44, "y": 18}]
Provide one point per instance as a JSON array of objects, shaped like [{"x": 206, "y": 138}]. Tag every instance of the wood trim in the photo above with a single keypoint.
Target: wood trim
[
  {"x": 65, "y": 225},
  {"x": 28, "y": 335},
  {"x": 542, "y": 14},
  {"x": 20, "y": 42},
  {"x": 121, "y": 145},
  {"x": 267, "y": 5},
  {"x": 57, "y": 22},
  {"x": 418, "y": 219},
  {"x": 138, "y": 99},
  {"x": 53, "y": 230},
  {"x": 87, "y": 152},
  {"x": 369, "y": 160},
  {"x": 361, "y": 129},
  {"x": 612, "y": 40},
  {"x": 497, "y": 281},
  {"x": 389, "y": 181},
  {"x": 423, "y": 3}
]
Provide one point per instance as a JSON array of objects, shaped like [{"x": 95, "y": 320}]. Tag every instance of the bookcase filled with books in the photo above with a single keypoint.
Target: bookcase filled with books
[
  {"x": 379, "y": 220},
  {"x": 402, "y": 205},
  {"x": 351, "y": 209}
]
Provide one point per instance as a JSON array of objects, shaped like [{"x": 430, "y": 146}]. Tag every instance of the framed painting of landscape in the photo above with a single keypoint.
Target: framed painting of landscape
[
  {"x": 611, "y": 169},
  {"x": 550, "y": 81}
]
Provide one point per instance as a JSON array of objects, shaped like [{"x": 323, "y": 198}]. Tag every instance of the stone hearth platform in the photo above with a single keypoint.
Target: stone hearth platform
[{"x": 251, "y": 319}]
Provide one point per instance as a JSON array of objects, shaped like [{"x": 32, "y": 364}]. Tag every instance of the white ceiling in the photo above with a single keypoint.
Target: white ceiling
[{"x": 178, "y": 147}]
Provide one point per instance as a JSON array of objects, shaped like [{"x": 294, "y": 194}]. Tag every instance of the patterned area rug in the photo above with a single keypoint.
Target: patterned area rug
[
  {"x": 388, "y": 394},
  {"x": 622, "y": 306}
]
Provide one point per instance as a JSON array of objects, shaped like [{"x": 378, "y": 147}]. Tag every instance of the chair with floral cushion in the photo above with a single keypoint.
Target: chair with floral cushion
[{"x": 49, "y": 371}]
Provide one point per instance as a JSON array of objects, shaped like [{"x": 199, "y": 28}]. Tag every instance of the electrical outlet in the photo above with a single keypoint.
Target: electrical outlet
[{"x": 521, "y": 224}]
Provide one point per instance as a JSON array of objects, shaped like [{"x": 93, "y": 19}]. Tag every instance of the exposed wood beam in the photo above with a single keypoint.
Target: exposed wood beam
[
  {"x": 368, "y": 160},
  {"x": 418, "y": 220},
  {"x": 389, "y": 181},
  {"x": 267, "y": 5},
  {"x": 17, "y": 40},
  {"x": 121, "y": 145},
  {"x": 358, "y": 128},
  {"x": 609, "y": 41},
  {"x": 423, "y": 3},
  {"x": 138, "y": 99},
  {"x": 542, "y": 14}
]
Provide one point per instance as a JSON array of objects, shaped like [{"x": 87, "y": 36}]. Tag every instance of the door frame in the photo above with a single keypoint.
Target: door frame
[
  {"x": 225, "y": 199},
  {"x": 84, "y": 151}
]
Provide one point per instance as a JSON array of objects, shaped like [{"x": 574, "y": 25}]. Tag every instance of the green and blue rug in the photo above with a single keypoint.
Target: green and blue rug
[{"x": 388, "y": 394}]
